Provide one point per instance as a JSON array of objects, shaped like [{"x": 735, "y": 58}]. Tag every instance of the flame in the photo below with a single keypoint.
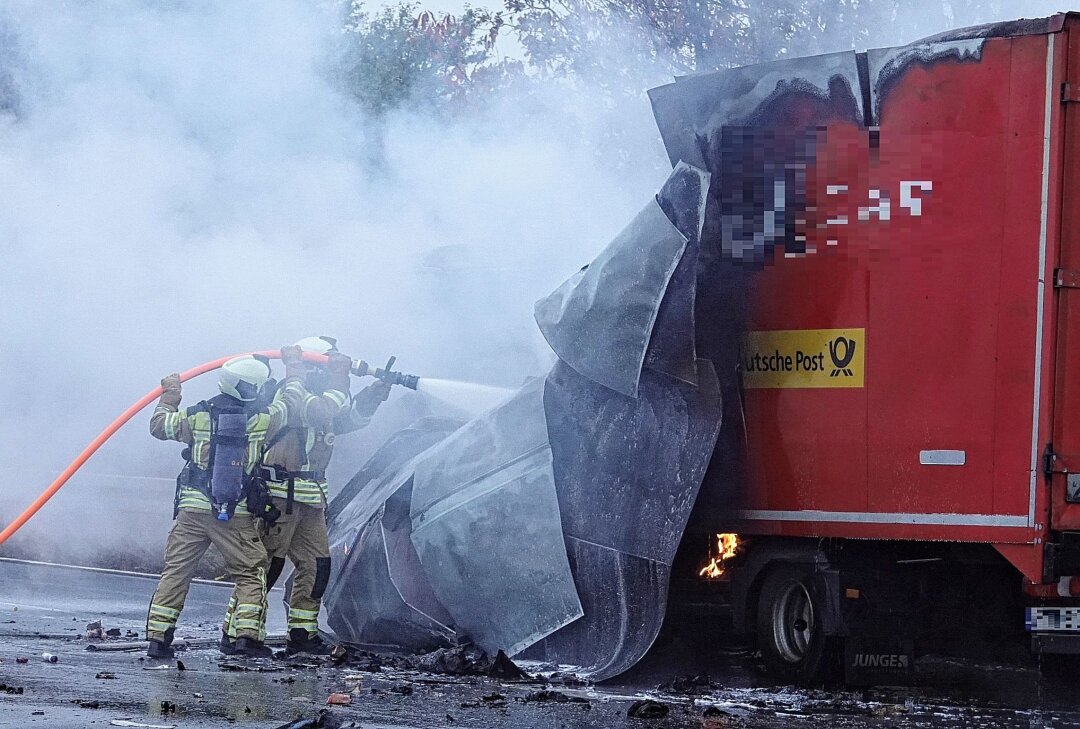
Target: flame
[{"x": 728, "y": 546}]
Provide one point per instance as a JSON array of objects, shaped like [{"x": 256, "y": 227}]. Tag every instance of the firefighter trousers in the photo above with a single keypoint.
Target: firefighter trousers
[
  {"x": 245, "y": 558},
  {"x": 301, "y": 537}
]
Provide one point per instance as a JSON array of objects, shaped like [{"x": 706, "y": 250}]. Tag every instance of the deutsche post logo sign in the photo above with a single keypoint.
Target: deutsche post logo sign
[{"x": 804, "y": 358}]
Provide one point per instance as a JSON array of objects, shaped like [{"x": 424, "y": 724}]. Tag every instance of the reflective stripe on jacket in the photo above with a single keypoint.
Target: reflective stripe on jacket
[{"x": 310, "y": 443}]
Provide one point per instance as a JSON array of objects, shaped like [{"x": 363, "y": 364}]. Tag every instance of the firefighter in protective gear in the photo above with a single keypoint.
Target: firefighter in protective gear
[
  {"x": 197, "y": 526},
  {"x": 319, "y": 409}
]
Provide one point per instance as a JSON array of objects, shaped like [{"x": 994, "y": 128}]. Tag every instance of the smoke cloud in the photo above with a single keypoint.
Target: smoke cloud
[{"x": 180, "y": 181}]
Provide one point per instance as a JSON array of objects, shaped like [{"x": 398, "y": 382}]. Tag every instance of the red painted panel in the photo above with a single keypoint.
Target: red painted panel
[{"x": 948, "y": 299}]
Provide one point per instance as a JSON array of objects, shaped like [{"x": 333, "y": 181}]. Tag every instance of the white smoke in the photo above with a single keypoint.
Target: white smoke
[{"x": 182, "y": 181}]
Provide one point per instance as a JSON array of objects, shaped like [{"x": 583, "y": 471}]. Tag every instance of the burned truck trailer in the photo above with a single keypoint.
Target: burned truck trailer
[
  {"x": 908, "y": 426},
  {"x": 842, "y": 330}
]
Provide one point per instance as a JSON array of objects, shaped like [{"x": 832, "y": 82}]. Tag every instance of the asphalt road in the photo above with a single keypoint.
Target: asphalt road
[{"x": 46, "y": 609}]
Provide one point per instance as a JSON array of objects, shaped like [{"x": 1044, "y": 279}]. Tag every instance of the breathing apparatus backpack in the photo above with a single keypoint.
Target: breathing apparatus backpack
[{"x": 225, "y": 481}]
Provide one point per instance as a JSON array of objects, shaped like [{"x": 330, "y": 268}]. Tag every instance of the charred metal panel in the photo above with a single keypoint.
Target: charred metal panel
[
  {"x": 555, "y": 517},
  {"x": 672, "y": 347},
  {"x": 624, "y": 599},
  {"x": 790, "y": 94},
  {"x": 377, "y": 592},
  {"x": 757, "y": 130},
  {"x": 628, "y": 470},
  {"x": 1006, "y": 29},
  {"x": 680, "y": 138},
  {"x": 386, "y": 461},
  {"x": 628, "y": 473},
  {"x": 769, "y": 94},
  {"x": 367, "y": 605},
  {"x": 601, "y": 319},
  {"x": 486, "y": 525},
  {"x": 887, "y": 65}
]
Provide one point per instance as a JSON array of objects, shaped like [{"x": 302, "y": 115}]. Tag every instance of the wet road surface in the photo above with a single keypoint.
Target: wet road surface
[{"x": 46, "y": 609}]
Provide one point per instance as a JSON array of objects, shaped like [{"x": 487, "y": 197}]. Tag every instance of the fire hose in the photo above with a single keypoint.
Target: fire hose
[{"x": 359, "y": 368}]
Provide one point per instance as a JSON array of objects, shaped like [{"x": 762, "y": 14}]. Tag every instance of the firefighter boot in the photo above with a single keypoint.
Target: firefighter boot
[
  {"x": 226, "y": 645},
  {"x": 161, "y": 648},
  {"x": 252, "y": 648},
  {"x": 301, "y": 641}
]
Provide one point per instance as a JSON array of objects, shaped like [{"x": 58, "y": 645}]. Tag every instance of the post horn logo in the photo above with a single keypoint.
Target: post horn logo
[{"x": 841, "y": 351}]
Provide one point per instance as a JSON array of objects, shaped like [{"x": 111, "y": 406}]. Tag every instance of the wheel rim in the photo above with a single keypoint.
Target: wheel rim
[{"x": 793, "y": 623}]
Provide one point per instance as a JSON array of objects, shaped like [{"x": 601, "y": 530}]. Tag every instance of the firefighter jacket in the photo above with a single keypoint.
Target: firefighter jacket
[
  {"x": 192, "y": 427},
  {"x": 303, "y": 451}
]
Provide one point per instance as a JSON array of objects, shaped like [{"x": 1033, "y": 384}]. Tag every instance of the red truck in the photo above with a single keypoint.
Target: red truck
[{"x": 910, "y": 364}]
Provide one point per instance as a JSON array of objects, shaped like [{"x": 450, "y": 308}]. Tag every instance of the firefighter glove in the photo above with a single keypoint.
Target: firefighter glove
[
  {"x": 291, "y": 355},
  {"x": 368, "y": 400},
  {"x": 293, "y": 359},
  {"x": 170, "y": 390}
]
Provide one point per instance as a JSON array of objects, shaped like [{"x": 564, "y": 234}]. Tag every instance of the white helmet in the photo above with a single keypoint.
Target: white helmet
[
  {"x": 317, "y": 345},
  {"x": 243, "y": 377}
]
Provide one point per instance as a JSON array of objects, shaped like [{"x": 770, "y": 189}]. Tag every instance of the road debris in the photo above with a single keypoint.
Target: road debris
[
  {"x": 49, "y": 657},
  {"x": 339, "y": 654},
  {"x": 459, "y": 661},
  {"x": 324, "y": 720},
  {"x": 647, "y": 709},
  {"x": 22, "y": 659},
  {"x": 339, "y": 699},
  {"x": 688, "y": 685},
  {"x": 13, "y": 690},
  {"x": 95, "y": 631},
  {"x": 550, "y": 696},
  {"x": 248, "y": 668},
  {"x": 105, "y": 675},
  {"x": 129, "y": 723},
  {"x": 88, "y": 703}
]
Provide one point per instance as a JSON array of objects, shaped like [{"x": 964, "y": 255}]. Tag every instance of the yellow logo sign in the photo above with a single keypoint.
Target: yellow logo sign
[{"x": 804, "y": 358}]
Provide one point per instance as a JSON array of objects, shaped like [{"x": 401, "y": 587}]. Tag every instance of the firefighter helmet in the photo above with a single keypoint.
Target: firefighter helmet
[
  {"x": 243, "y": 377},
  {"x": 318, "y": 345}
]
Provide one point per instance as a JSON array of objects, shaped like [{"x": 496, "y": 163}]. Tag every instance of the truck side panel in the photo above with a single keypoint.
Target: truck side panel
[{"x": 929, "y": 245}]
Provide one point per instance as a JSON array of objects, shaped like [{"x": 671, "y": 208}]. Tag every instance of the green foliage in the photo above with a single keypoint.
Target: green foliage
[{"x": 402, "y": 56}]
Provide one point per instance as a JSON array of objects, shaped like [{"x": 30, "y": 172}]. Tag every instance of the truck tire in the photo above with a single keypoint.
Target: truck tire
[{"x": 790, "y": 629}]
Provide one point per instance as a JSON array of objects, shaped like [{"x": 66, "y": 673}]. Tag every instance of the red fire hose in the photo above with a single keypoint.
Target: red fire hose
[{"x": 125, "y": 416}]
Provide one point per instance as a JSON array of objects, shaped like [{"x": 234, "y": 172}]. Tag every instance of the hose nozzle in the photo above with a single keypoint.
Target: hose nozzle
[{"x": 386, "y": 374}]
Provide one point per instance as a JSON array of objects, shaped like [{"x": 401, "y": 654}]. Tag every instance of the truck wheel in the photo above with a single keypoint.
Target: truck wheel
[{"x": 790, "y": 629}]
